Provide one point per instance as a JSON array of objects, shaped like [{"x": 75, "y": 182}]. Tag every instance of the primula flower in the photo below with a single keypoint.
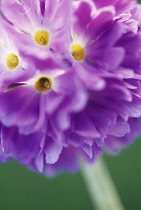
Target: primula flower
[
  {"x": 38, "y": 97},
  {"x": 111, "y": 109},
  {"x": 13, "y": 63},
  {"x": 121, "y": 6},
  {"x": 125, "y": 11},
  {"x": 93, "y": 40},
  {"x": 85, "y": 45},
  {"x": 41, "y": 22},
  {"x": 40, "y": 151},
  {"x": 79, "y": 93}
]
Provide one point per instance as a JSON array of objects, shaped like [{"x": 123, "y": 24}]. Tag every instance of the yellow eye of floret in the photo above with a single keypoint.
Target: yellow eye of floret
[
  {"x": 12, "y": 61},
  {"x": 78, "y": 52},
  {"x": 42, "y": 37},
  {"x": 43, "y": 84}
]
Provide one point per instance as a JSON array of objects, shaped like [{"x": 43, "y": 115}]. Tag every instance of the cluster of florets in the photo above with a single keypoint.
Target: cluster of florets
[{"x": 70, "y": 83}]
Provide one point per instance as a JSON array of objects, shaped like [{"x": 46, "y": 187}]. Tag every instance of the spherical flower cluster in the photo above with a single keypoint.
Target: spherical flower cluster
[{"x": 70, "y": 84}]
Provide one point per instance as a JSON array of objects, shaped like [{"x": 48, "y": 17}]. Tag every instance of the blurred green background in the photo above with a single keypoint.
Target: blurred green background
[{"x": 21, "y": 189}]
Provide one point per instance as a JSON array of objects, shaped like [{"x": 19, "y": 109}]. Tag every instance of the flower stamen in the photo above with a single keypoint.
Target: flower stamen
[
  {"x": 12, "y": 61},
  {"x": 42, "y": 37},
  {"x": 43, "y": 84},
  {"x": 78, "y": 52}
]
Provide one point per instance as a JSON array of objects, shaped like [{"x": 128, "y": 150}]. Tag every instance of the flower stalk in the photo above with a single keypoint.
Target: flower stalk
[{"x": 103, "y": 193}]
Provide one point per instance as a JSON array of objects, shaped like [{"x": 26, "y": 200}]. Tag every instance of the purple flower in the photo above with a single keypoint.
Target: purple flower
[
  {"x": 41, "y": 23},
  {"x": 120, "y": 6},
  {"x": 125, "y": 11},
  {"x": 34, "y": 100},
  {"x": 14, "y": 65},
  {"x": 70, "y": 83}
]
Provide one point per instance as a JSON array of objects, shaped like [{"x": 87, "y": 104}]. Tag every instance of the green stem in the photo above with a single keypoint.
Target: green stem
[{"x": 102, "y": 190}]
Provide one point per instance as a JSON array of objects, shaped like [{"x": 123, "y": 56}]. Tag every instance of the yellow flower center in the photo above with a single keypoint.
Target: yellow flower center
[
  {"x": 42, "y": 37},
  {"x": 12, "y": 61},
  {"x": 43, "y": 84},
  {"x": 78, "y": 52}
]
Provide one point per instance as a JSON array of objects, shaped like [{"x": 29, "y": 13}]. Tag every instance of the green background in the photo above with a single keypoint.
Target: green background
[{"x": 21, "y": 189}]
